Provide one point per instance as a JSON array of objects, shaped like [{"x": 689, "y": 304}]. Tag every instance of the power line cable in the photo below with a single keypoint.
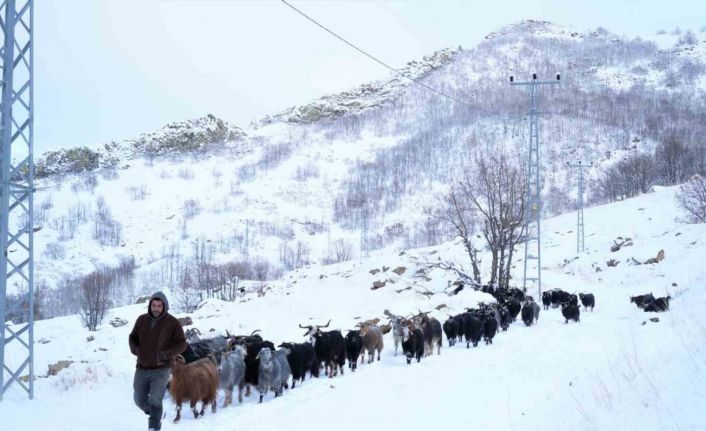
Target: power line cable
[{"x": 382, "y": 63}]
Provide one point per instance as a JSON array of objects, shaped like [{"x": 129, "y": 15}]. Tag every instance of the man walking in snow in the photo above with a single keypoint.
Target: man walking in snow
[{"x": 156, "y": 338}]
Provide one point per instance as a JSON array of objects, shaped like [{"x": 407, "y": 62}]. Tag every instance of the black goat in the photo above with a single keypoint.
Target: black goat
[
  {"x": 490, "y": 327},
  {"x": 570, "y": 312},
  {"x": 546, "y": 300},
  {"x": 559, "y": 297},
  {"x": 354, "y": 345},
  {"x": 451, "y": 330},
  {"x": 330, "y": 347},
  {"x": 472, "y": 329},
  {"x": 513, "y": 306},
  {"x": 196, "y": 351},
  {"x": 413, "y": 343},
  {"x": 530, "y": 312},
  {"x": 642, "y": 300},
  {"x": 301, "y": 358},
  {"x": 587, "y": 300},
  {"x": 658, "y": 305},
  {"x": 504, "y": 317}
]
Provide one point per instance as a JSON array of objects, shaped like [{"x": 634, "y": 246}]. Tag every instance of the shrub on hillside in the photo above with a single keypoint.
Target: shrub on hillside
[{"x": 692, "y": 199}]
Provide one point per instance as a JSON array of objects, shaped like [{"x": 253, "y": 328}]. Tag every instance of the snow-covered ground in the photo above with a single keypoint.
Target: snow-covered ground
[{"x": 615, "y": 370}]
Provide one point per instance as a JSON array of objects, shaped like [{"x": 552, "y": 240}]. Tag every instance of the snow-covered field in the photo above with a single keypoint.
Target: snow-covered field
[{"x": 615, "y": 370}]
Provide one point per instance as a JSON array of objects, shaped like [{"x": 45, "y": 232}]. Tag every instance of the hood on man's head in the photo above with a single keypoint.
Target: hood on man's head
[{"x": 162, "y": 297}]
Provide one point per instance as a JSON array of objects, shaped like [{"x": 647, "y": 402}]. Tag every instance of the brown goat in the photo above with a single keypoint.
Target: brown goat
[
  {"x": 193, "y": 382},
  {"x": 372, "y": 340},
  {"x": 374, "y": 321}
]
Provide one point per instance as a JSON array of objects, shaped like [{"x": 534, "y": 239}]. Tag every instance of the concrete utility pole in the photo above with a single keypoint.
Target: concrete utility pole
[
  {"x": 17, "y": 195},
  {"x": 580, "y": 243},
  {"x": 533, "y": 194}
]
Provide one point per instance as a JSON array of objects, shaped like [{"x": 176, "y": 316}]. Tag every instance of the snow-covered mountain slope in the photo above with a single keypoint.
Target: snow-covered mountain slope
[
  {"x": 364, "y": 97},
  {"x": 292, "y": 191},
  {"x": 616, "y": 369},
  {"x": 199, "y": 135}
]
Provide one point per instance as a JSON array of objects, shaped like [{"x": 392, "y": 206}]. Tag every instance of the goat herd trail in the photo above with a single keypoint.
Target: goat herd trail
[{"x": 615, "y": 369}]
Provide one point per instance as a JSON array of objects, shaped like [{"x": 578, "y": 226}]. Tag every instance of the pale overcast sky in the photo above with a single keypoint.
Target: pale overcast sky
[{"x": 112, "y": 69}]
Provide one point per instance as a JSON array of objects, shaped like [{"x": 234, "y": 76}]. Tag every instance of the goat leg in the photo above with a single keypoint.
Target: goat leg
[{"x": 178, "y": 416}]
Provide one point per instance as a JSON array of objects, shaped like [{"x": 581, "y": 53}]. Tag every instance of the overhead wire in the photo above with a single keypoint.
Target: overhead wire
[{"x": 382, "y": 63}]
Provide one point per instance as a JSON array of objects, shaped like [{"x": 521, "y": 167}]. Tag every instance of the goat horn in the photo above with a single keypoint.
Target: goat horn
[
  {"x": 304, "y": 327},
  {"x": 326, "y": 325},
  {"x": 254, "y": 332}
]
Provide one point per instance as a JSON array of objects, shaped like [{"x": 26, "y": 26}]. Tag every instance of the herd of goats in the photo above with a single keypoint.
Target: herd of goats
[{"x": 246, "y": 361}]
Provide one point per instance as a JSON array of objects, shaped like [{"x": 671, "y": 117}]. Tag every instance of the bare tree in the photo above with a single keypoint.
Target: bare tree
[
  {"x": 673, "y": 160},
  {"x": 187, "y": 290},
  {"x": 496, "y": 189},
  {"x": 489, "y": 201},
  {"x": 262, "y": 269},
  {"x": 692, "y": 199},
  {"x": 339, "y": 251},
  {"x": 456, "y": 211},
  {"x": 95, "y": 298},
  {"x": 228, "y": 281},
  {"x": 191, "y": 208},
  {"x": 292, "y": 258},
  {"x": 628, "y": 178},
  {"x": 106, "y": 230}
]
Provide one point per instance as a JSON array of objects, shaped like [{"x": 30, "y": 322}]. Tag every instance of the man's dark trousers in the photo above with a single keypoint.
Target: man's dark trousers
[{"x": 149, "y": 386}]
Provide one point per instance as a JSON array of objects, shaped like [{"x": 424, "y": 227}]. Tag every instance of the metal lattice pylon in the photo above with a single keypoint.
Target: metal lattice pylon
[
  {"x": 533, "y": 193},
  {"x": 580, "y": 238},
  {"x": 16, "y": 197}
]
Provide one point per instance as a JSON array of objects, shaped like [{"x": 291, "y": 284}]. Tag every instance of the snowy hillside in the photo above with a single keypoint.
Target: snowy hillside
[
  {"x": 616, "y": 369},
  {"x": 351, "y": 173},
  {"x": 202, "y": 134},
  {"x": 367, "y": 96}
]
